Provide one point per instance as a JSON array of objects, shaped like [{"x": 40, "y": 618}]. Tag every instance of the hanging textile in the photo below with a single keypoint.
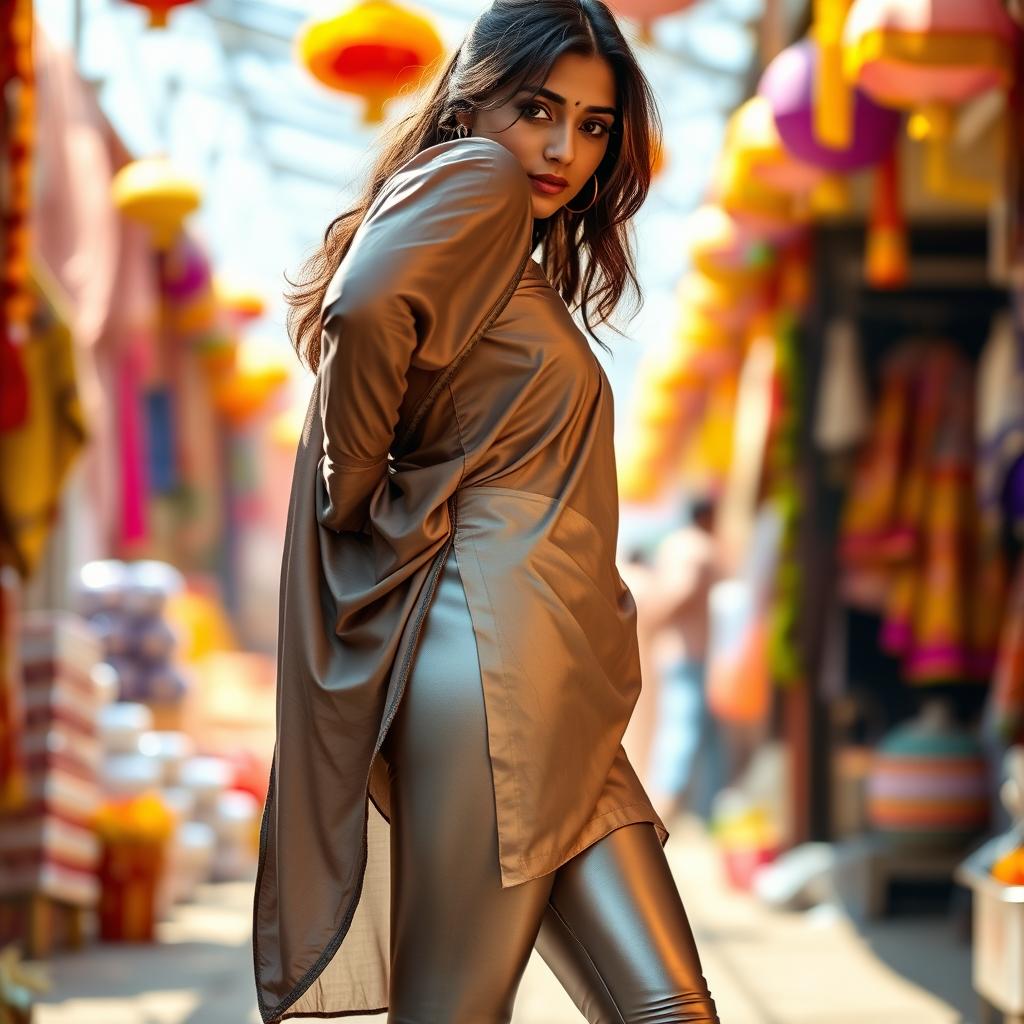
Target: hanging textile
[
  {"x": 912, "y": 540},
  {"x": 35, "y": 457}
]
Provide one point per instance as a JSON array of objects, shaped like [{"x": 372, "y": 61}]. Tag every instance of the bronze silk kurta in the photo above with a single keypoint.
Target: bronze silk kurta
[{"x": 457, "y": 403}]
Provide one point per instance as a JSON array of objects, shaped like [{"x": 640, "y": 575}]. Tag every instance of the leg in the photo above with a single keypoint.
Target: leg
[
  {"x": 618, "y": 939},
  {"x": 678, "y": 739},
  {"x": 459, "y": 942}
]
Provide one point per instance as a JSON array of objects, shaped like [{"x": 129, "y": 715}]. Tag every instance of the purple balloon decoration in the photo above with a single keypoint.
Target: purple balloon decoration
[{"x": 788, "y": 85}]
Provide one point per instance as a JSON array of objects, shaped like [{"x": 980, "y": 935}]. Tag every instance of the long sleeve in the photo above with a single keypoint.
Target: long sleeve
[{"x": 434, "y": 254}]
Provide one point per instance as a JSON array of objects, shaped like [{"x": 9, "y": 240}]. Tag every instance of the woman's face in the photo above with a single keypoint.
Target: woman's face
[{"x": 558, "y": 130}]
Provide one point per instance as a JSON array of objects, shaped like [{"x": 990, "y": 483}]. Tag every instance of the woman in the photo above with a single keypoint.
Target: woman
[{"x": 457, "y": 653}]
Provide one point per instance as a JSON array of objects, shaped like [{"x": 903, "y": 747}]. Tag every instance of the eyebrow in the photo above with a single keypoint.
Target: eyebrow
[{"x": 541, "y": 91}]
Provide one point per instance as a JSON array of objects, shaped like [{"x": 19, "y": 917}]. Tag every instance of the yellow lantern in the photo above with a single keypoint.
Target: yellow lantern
[
  {"x": 372, "y": 50},
  {"x": 760, "y": 154},
  {"x": 153, "y": 192},
  {"x": 756, "y": 180}
]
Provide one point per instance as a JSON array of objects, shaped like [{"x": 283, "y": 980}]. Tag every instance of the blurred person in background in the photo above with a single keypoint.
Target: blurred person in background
[{"x": 687, "y": 763}]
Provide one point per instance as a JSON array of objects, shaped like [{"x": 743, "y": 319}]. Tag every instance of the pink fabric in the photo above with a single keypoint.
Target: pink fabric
[{"x": 102, "y": 263}]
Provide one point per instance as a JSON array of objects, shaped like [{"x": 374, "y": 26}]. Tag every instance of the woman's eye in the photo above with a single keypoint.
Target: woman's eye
[
  {"x": 600, "y": 125},
  {"x": 533, "y": 106}
]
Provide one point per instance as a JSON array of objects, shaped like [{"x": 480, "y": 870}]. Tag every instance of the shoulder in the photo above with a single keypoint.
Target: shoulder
[{"x": 470, "y": 167}]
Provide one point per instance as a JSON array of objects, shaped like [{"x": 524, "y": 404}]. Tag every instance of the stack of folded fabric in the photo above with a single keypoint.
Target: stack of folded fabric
[{"x": 48, "y": 852}]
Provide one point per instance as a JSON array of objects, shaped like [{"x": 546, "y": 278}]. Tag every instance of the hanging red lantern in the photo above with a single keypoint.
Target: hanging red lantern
[
  {"x": 371, "y": 50},
  {"x": 159, "y": 10}
]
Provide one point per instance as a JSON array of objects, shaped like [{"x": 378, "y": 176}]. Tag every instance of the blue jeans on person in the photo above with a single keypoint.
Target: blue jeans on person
[{"x": 688, "y": 757}]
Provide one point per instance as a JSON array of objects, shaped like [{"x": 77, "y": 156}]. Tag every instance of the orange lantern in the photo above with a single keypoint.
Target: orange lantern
[
  {"x": 928, "y": 56},
  {"x": 259, "y": 373},
  {"x": 159, "y": 10},
  {"x": 241, "y": 304},
  {"x": 371, "y": 50}
]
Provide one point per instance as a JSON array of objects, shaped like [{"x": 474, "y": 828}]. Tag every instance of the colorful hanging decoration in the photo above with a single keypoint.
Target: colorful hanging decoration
[
  {"x": 788, "y": 84},
  {"x": 928, "y": 56},
  {"x": 886, "y": 259},
  {"x": 759, "y": 154},
  {"x": 753, "y": 168},
  {"x": 153, "y": 192},
  {"x": 372, "y": 50},
  {"x": 159, "y": 10},
  {"x": 240, "y": 304},
  {"x": 912, "y": 538},
  {"x": 16, "y": 301},
  {"x": 725, "y": 302},
  {"x": 37, "y": 455},
  {"x": 186, "y": 281},
  {"x": 723, "y": 249},
  {"x": 831, "y": 112},
  {"x": 260, "y": 372}
]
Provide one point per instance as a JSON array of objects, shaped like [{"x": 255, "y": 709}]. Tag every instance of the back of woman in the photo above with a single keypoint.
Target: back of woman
[{"x": 457, "y": 652}]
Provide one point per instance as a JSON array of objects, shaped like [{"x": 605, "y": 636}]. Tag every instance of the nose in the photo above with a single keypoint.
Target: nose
[{"x": 562, "y": 145}]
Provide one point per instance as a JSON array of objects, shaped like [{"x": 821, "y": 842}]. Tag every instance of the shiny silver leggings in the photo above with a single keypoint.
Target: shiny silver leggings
[{"x": 609, "y": 922}]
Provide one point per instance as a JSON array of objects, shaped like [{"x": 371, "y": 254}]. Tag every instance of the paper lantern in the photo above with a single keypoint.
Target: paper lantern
[
  {"x": 261, "y": 370},
  {"x": 372, "y": 50},
  {"x": 153, "y": 192},
  {"x": 906, "y": 53},
  {"x": 159, "y": 10},
  {"x": 241, "y": 305},
  {"x": 928, "y": 56},
  {"x": 788, "y": 86}
]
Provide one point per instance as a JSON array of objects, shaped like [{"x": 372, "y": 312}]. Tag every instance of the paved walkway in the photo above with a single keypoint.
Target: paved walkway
[{"x": 764, "y": 967}]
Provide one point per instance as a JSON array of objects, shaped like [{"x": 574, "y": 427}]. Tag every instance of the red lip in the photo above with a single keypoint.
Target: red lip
[{"x": 551, "y": 179}]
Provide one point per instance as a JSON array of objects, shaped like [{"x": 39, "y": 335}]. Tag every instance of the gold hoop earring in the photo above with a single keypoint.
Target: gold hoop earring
[{"x": 591, "y": 203}]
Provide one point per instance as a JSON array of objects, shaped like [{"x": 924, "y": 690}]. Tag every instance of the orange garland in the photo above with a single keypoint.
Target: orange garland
[{"x": 17, "y": 299}]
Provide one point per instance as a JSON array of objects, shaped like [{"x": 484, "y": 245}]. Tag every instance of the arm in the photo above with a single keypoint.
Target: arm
[{"x": 436, "y": 250}]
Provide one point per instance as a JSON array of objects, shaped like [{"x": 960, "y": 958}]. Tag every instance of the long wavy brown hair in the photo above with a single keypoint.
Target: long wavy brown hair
[{"x": 588, "y": 256}]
